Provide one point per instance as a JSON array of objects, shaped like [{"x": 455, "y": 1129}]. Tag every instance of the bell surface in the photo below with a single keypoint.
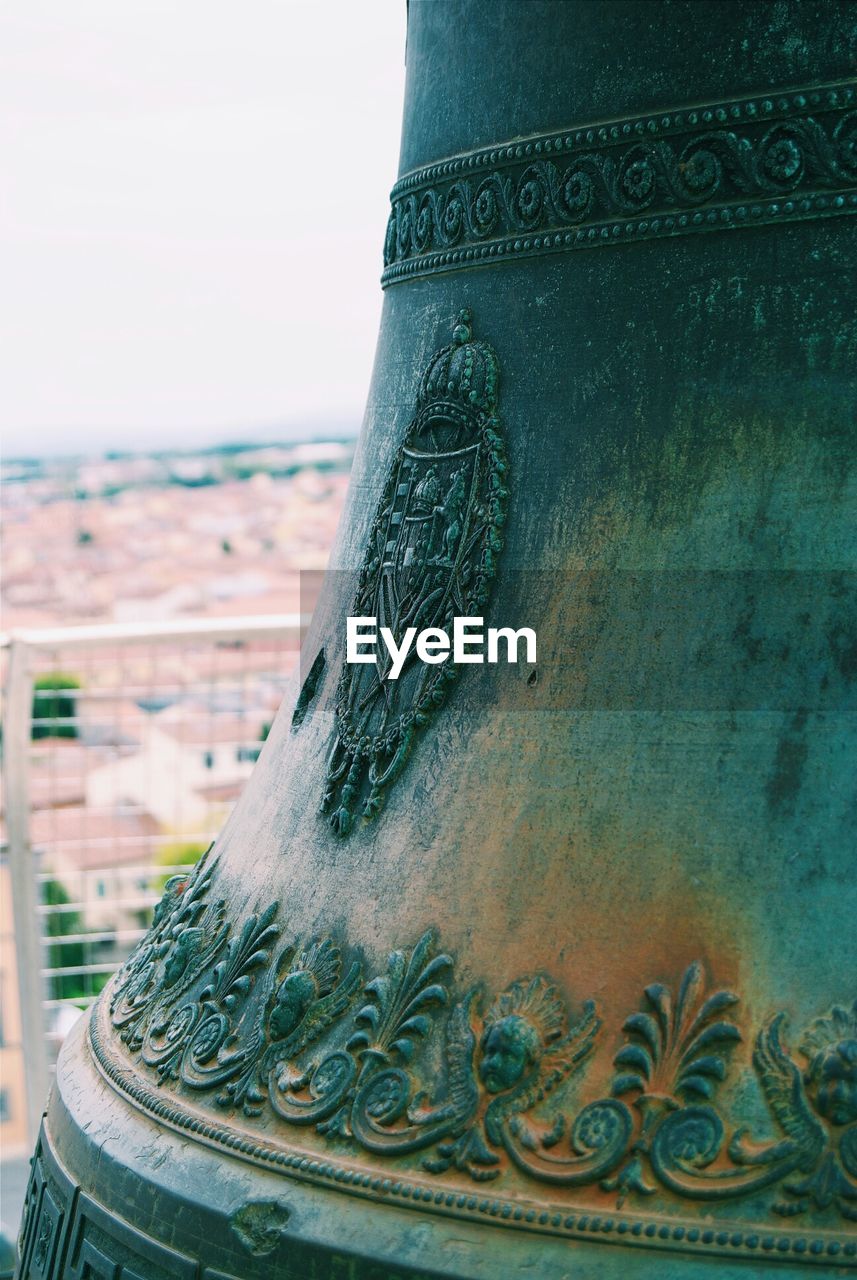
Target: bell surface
[{"x": 542, "y": 968}]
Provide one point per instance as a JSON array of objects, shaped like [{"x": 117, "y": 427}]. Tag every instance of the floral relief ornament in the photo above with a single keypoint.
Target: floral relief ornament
[{"x": 400, "y": 1065}]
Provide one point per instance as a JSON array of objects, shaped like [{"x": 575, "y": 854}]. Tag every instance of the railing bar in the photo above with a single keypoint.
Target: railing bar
[
  {"x": 168, "y": 868},
  {"x": 64, "y": 1001},
  {"x": 125, "y": 811},
  {"x": 87, "y": 946},
  {"x": 78, "y": 970},
  {"x": 125, "y": 935},
  {"x": 146, "y": 719},
  {"x": 130, "y": 903},
  {"x": 109, "y": 693},
  {"x": 24, "y": 890},
  {"x": 210, "y": 629},
  {"x": 125, "y": 841}
]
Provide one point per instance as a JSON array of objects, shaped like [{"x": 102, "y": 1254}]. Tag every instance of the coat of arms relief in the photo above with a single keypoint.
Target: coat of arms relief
[{"x": 432, "y": 555}]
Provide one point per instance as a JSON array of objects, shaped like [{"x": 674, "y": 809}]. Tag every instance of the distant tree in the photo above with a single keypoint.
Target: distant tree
[
  {"x": 226, "y": 547},
  {"x": 84, "y": 537},
  {"x": 193, "y": 482},
  {"x": 64, "y": 955},
  {"x": 54, "y": 701}
]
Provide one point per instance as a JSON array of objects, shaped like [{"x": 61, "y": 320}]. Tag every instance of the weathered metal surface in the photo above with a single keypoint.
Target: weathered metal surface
[{"x": 589, "y": 977}]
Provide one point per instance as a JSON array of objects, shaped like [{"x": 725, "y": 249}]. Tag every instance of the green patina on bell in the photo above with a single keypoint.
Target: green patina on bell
[{"x": 494, "y": 967}]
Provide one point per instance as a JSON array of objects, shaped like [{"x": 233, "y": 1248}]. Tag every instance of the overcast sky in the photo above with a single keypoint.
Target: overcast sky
[{"x": 193, "y": 204}]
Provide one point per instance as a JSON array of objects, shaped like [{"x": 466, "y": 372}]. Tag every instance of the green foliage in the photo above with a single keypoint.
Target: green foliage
[
  {"x": 193, "y": 482},
  {"x": 67, "y": 955},
  {"x": 53, "y": 700},
  {"x": 180, "y": 854}
]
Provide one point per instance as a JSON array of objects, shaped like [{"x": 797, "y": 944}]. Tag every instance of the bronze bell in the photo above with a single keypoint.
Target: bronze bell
[{"x": 542, "y": 968}]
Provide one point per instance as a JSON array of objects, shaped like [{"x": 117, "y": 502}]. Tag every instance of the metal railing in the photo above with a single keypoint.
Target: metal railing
[{"x": 115, "y": 777}]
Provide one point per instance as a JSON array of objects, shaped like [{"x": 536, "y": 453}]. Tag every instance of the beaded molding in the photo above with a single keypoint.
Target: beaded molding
[
  {"x": 260, "y": 1026},
  {"x": 723, "y": 166},
  {"x": 615, "y": 1227}
]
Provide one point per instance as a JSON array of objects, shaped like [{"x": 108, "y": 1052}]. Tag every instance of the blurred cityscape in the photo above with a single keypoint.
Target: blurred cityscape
[
  {"x": 150, "y": 610},
  {"x": 146, "y": 537}
]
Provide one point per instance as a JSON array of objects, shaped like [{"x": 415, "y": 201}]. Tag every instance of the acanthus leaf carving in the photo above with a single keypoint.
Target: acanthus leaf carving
[{"x": 261, "y": 1024}]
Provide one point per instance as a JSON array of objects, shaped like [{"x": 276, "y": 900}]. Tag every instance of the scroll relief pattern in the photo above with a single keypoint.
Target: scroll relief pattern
[
  {"x": 779, "y": 151},
  {"x": 404, "y": 1064}
]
